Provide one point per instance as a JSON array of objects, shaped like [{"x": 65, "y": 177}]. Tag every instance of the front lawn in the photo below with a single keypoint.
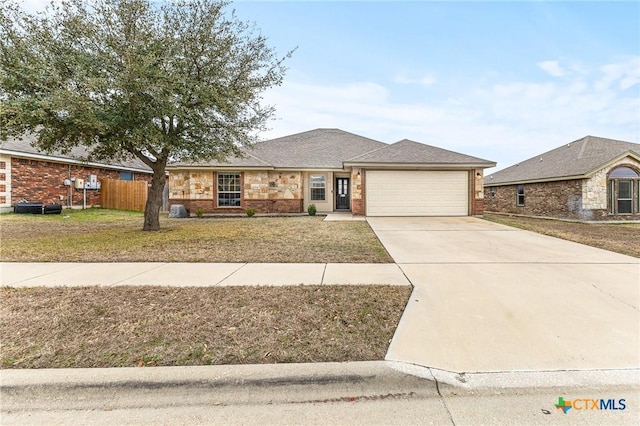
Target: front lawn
[
  {"x": 147, "y": 326},
  {"x": 98, "y": 235},
  {"x": 618, "y": 237}
]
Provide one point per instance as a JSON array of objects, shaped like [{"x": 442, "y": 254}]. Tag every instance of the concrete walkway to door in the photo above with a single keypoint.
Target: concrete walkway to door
[{"x": 491, "y": 298}]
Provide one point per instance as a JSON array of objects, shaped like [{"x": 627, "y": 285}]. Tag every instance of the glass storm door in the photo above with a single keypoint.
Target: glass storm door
[{"x": 342, "y": 194}]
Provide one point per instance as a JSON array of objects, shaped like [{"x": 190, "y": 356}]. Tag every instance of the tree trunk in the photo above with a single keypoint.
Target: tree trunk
[{"x": 154, "y": 200}]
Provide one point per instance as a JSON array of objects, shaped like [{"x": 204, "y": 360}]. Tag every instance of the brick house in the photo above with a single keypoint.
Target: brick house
[
  {"x": 589, "y": 179},
  {"x": 29, "y": 174},
  {"x": 336, "y": 171}
]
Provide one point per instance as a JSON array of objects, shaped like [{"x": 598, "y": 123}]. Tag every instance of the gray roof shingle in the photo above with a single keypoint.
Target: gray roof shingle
[
  {"x": 23, "y": 147},
  {"x": 314, "y": 149},
  {"x": 332, "y": 148},
  {"x": 248, "y": 161},
  {"x": 410, "y": 152},
  {"x": 578, "y": 158},
  {"x": 320, "y": 148}
]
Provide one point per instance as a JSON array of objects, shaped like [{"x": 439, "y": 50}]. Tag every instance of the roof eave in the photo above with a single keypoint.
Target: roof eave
[
  {"x": 487, "y": 180},
  {"x": 421, "y": 166},
  {"x": 207, "y": 167},
  {"x": 67, "y": 160},
  {"x": 586, "y": 175}
]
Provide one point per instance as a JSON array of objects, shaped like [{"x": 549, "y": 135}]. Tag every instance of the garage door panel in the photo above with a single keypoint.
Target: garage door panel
[{"x": 417, "y": 193}]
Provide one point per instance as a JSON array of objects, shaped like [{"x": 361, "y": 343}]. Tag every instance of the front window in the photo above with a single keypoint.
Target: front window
[
  {"x": 126, "y": 175},
  {"x": 520, "y": 195},
  {"x": 229, "y": 190},
  {"x": 318, "y": 187},
  {"x": 624, "y": 182}
]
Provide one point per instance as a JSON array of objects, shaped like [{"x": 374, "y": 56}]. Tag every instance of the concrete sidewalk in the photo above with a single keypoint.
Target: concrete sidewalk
[{"x": 198, "y": 274}]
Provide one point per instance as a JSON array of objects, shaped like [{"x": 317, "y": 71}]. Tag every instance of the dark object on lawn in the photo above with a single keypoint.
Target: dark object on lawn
[
  {"x": 52, "y": 209},
  {"x": 25, "y": 206},
  {"x": 178, "y": 210},
  {"x": 37, "y": 207}
]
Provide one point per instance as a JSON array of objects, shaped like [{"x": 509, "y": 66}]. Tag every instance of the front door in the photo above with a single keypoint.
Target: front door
[{"x": 342, "y": 194}]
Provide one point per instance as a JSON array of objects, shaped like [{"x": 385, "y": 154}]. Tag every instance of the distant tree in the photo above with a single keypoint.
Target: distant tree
[{"x": 160, "y": 81}]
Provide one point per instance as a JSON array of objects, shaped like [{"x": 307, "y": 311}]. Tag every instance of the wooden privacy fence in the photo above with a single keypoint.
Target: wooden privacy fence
[{"x": 123, "y": 194}]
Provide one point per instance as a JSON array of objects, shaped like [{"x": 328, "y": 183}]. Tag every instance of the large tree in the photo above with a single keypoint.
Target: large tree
[{"x": 160, "y": 81}]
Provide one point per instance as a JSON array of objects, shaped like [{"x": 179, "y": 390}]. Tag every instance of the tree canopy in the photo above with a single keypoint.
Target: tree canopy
[{"x": 178, "y": 80}]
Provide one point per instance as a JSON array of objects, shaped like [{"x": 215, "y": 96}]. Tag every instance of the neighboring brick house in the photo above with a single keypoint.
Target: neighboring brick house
[
  {"x": 589, "y": 179},
  {"x": 336, "y": 171},
  {"x": 29, "y": 174}
]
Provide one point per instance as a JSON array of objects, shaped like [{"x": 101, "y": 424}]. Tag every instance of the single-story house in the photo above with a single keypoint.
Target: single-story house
[
  {"x": 589, "y": 179},
  {"x": 29, "y": 174},
  {"x": 336, "y": 171}
]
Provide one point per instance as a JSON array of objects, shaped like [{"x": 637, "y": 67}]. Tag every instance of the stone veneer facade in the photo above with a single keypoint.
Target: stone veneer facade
[
  {"x": 581, "y": 199},
  {"x": 357, "y": 192},
  {"x": 477, "y": 189},
  {"x": 280, "y": 191},
  {"x": 40, "y": 180},
  {"x": 264, "y": 191}
]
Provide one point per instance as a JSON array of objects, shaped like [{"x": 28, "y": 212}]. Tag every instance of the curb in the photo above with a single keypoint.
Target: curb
[{"x": 522, "y": 379}]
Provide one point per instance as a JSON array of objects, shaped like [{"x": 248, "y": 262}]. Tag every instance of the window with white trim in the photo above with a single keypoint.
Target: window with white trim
[
  {"x": 229, "y": 189},
  {"x": 624, "y": 182},
  {"x": 520, "y": 195},
  {"x": 318, "y": 186}
]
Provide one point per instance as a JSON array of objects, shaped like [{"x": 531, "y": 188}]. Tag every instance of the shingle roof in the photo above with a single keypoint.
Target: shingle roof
[
  {"x": 578, "y": 158},
  {"x": 320, "y": 148},
  {"x": 314, "y": 149},
  {"x": 332, "y": 148},
  {"x": 248, "y": 161},
  {"x": 410, "y": 152},
  {"x": 23, "y": 147}
]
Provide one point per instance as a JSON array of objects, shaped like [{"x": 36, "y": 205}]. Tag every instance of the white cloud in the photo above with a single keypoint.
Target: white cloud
[
  {"x": 625, "y": 73},
  {"x": 552, "y": 68},
  {"x": 426, "y": 80},
  {"x": 504, "y": 122}
]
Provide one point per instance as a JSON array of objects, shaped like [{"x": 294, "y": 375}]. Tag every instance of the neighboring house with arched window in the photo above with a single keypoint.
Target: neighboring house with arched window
[{"x": 589, "y": 179}]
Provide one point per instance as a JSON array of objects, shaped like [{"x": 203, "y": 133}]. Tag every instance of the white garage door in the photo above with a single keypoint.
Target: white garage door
[{"x": 417, "y": 193}]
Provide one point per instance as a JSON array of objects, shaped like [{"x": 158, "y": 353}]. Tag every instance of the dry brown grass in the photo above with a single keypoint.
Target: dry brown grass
[
  {"x": 617, "y": 237},
  {"x": 138, "y": 326},
  {"x": 97, "y": 235}
]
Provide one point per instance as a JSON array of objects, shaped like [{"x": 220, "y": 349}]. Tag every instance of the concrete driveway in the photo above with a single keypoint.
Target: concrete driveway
[{"x": 491, "y": 298}]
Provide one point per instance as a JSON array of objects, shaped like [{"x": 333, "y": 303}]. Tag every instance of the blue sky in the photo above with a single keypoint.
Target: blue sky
[{"x": 502, "y": 81}]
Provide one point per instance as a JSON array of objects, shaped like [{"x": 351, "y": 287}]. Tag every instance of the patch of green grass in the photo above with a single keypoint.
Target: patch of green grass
[{"x": 97, "y": 235}]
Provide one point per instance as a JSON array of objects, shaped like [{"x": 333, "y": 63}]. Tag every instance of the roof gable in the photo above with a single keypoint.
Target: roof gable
[
  {"x": 575, "y": 159},
  {"x": 320, "y": 148},
  {"x": 410, "y": 152},
  {"x": 314, "y": 149}
]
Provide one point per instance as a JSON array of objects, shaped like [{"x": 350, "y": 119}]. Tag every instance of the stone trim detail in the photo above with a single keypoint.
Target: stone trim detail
[
  {"x": 477, "y": 192},
  {"x": 357, "y": 191}
]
